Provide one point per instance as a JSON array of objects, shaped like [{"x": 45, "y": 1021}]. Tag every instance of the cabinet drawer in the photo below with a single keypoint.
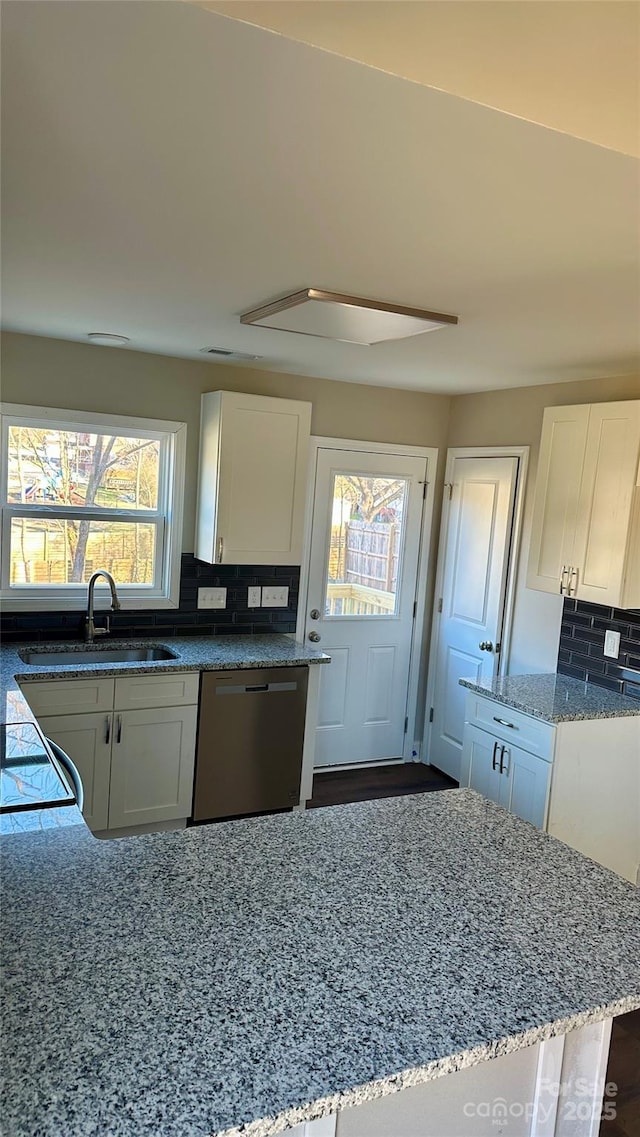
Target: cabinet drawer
[
  {"x": 69, "y": 696},
  {"x": 135, "y": 692},
  {"x": 512, "y": 726}
]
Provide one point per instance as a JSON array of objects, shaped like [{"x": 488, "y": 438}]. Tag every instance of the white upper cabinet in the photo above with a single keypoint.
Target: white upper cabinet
[
  {"x": 252, "y": 483},
  {"x": 585, "y": 536},
  {"x": 564, "y": 437}
]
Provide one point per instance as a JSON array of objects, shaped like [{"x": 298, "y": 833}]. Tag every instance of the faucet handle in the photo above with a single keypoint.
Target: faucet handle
[{"x": 103, "y": 631}]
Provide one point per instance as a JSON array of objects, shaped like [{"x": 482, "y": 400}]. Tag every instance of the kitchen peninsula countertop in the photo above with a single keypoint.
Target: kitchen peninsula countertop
[
  {"x": 555, "y": 698},
  {"x": 254, "y": 974},
  {"x": 195, "y": 653}
]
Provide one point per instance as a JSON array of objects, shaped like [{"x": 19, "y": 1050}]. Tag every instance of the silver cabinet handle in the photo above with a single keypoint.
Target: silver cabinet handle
[
  {"x": 494, "y": 755},
  {"x": 119, "y": 729},
  {"x": 107, "y": 729},
  {"x": 314, "y": 637},
  {"x": 564, "y": 587},
  {"x": 220, "y": 548},
  {"x": 503, "y": 722},
  {"x": 573, "y": 581}
]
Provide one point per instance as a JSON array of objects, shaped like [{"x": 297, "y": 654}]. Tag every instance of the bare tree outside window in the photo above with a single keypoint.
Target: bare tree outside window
[{"x": 81, "y": 471}]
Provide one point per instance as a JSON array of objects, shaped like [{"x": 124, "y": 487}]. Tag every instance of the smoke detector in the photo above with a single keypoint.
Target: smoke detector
[
  {"x": 349, "y": 319},
  {"x": 227, "y": 354}
]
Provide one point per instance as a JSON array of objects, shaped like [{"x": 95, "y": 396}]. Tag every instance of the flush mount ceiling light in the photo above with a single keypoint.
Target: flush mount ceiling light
[
  {"x": 350, "y": 319},
  {"x": 107, "y": 339}
]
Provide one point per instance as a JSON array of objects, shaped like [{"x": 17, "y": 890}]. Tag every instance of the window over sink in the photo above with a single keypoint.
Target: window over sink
[{"x": 82, "y": 492}]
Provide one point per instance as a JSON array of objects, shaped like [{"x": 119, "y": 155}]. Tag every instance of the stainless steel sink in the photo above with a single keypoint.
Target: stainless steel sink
[{"x": 96, "y": 655}]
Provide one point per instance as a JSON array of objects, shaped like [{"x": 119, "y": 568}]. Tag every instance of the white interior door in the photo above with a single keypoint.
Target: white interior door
[
  {"x": 365, "y": 545},
  {"x": 474, "y": 560}
]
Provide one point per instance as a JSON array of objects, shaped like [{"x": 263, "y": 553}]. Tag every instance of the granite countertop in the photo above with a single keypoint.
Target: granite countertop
[
  {"x": 196, "y": 653},
  {"x": 254, "y": 974},
  {"x": 555, "y": 698}
]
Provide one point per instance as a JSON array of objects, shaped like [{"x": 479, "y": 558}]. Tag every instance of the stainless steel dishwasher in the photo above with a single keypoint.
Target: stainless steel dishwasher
[{"x": 250, "y": 737}]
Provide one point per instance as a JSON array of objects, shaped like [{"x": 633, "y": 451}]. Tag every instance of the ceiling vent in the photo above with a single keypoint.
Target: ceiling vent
[
  {"x": 227, "y": 354},
  {"x": 349, "y": 319}
]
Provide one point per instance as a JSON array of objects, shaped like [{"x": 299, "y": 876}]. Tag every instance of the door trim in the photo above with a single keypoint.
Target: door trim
[
  {"x": 423, "y": 582},
  {"x": 454, "y": 452}
]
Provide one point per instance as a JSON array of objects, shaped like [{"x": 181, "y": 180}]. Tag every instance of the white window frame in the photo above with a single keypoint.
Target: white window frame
[{"x": 168, "y": 516}]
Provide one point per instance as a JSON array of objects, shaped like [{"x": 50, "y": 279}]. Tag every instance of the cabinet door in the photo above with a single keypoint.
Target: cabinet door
[
  {"x": 480, "y": 769},
  {"x": 555, "y": 513},
  {"x": 606, "y": 499},
  {"x": 253, "y": 472},
  {"x": 87, "y": 741},
  {"x": 524, "y": 785},
  {"x": 152, "y": 766}
]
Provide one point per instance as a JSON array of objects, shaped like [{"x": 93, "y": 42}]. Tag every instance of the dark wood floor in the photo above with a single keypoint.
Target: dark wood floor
[
  {"x": 337, "y": 787},
  {"x": 624, "y": 1070}
]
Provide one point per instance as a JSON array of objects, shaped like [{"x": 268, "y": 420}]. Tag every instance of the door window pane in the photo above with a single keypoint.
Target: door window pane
[
  {"x": 365, "y": 546},
  {"x": 75, "y": 467},
  {"x": 53, "y": 551}
]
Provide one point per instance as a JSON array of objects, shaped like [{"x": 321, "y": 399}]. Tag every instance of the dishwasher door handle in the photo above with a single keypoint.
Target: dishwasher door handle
[{"x": 257, "y": 688}]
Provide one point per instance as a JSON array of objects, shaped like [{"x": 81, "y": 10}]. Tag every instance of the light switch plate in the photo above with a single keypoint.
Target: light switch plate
[
  {"x": 254, "y": 597},
  {"x": 275, "y": 597},
  {"x": 212, "y": 598},
  {"x": 612, "y": 644}
]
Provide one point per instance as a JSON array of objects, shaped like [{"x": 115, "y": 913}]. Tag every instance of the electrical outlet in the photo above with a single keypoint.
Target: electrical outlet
[
  {"x": 254, "y": 597},
  {"x": 212, "y": 598},
  {"x": 612, "y": 644},
  {"x": 275, "y": 597}
]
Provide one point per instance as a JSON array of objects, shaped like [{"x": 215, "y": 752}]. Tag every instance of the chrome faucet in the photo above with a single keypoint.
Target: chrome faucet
[{"x": 90, "y": 630}]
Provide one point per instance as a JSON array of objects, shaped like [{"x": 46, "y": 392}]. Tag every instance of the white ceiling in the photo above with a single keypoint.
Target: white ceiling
[
  {"x": 166, "y": 169},
  {"x": 572, "y": 66}
]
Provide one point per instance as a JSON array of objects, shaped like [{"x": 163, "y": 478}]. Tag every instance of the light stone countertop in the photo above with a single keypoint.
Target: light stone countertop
[
  {"x": 253, "y": 974},
  {"x": 194, "y": 653},
  {"x": 555, "y": 698}
]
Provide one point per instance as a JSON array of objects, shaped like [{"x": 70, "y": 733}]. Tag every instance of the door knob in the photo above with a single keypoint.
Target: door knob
[
  {"x": 314, "y": 637},
  {"x": 315, "y": 613},
  {"x": 486, "y": 645}
]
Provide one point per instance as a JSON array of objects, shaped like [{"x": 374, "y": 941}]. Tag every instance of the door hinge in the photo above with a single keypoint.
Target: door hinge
[
  {"x": 424, "y": 490},
  {"x": 431, "y": 715},
  {"x": 406, "y": 724},
  {"x": 415, "y": 609},
  {"x": 440, "y": 605}
]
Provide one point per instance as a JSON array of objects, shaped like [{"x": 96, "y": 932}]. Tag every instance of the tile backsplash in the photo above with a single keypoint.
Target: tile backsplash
[
  {"x": 581, "y": 652},
  {"x": 188, "y": 619}
]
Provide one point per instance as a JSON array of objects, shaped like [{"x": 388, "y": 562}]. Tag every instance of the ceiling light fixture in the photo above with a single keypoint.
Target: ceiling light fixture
[
  {"x": 107, "y": 339},
  {"x": 349, "y": 319}
]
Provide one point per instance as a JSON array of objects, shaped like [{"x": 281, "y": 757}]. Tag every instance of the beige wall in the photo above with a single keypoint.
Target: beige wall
[
  {"x": 75, "y": 376},
  {"x": 514, "y": 417}
]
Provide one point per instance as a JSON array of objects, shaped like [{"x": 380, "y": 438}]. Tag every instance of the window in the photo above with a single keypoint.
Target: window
[
  {"x": 83, "y": 492},
  {"x": 365, "y": 545}
]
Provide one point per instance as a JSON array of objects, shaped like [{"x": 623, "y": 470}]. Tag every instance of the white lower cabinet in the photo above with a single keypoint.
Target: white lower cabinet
[
  {"x": 152, "y": 766},
  {"x": 524, "y": 785},
  {"x": 137, "y": 765},
  {"x": 87, "y": 741},
  {"x": 479, "y": 768},
  {"x": 504, "y": 773},
  {"x": 577, "y": 780}
]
